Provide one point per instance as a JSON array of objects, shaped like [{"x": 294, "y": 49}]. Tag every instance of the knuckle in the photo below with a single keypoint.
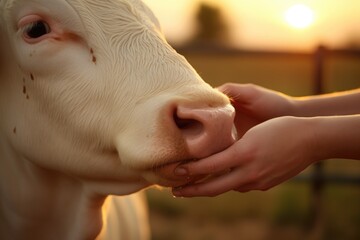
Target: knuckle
[{"x": 211, "y": 167}]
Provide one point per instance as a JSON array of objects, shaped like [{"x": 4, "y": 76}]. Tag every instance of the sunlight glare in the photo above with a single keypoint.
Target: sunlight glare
[{"x": 299, "y": 16}]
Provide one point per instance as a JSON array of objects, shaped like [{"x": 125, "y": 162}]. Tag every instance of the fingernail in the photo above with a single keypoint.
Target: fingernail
[
  {"x": 180, "y": 171},
  {"x": 177, "y": 192},
  {"x": 177, "y": 196}
]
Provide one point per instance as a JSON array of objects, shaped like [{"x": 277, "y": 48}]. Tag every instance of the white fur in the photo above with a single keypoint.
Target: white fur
[{"x": 86, "y": 114}]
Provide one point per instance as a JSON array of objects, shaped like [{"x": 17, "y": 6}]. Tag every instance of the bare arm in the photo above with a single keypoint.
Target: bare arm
[
  {"x": 338, "y": 137},
  {"x": 342, "y": 103},
  {"x": 274, "y": 151}
]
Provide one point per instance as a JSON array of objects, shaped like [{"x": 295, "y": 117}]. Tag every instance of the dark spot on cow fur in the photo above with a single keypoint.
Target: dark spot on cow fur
[
  {"x": 25, "y": 90},
  {"x": 32, "y": 76},
  {"x": 14, "y": 130},
  {"x": 93, "y": 56}
]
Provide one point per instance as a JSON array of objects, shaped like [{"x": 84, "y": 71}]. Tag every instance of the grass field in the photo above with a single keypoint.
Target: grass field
[{"x": 282, "y": 212}]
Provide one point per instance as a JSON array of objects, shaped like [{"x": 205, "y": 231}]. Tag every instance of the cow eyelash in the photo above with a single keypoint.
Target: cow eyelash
[{"x": 36, "y": 29}]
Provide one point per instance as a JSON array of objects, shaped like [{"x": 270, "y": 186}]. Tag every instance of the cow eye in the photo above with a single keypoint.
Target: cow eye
[{"x": 37, "y": 29}]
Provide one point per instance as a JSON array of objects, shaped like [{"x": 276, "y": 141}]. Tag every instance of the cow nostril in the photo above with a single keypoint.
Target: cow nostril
[
  {"x": 190, "y": 127},
  {"x": 203, "y": 130}
]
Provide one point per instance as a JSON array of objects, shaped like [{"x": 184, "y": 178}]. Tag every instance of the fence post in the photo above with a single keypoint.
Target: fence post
[{"x": 317, "y": 178}]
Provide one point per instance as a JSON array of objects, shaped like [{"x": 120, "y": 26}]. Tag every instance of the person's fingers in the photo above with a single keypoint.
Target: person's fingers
[
  {"x": 248, "y": 187},
  {"x": 214, "y": 186},
  {"x": 216, "y": 163}
]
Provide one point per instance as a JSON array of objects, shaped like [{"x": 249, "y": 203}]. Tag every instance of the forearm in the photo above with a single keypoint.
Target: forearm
[
  {"x": 342, "y": 103},
  {"x": 337, "y": 137}
]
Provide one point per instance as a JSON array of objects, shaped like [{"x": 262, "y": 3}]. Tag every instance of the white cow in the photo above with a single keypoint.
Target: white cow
[{"x": 94, "y": 102}]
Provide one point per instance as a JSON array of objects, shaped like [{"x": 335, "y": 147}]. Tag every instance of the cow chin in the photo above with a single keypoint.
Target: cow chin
[
  {"x": 161, "y": 172},
  {"x": 159, "y": 165},
  {"x": 172, "y": 151}
]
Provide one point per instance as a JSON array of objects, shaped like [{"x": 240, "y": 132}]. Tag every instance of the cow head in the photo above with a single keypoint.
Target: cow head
[{"x": 92, "y": 89}]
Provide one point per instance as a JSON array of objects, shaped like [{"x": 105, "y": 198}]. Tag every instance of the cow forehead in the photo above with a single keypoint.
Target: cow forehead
[
  {"x": 110, "y": 9},
  {"x": 133, "y": 7}
]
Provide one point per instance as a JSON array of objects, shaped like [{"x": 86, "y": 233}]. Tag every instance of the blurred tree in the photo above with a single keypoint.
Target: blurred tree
[
  {"x": 212, "y": 29},
  {"x": 353, "y": 43}
]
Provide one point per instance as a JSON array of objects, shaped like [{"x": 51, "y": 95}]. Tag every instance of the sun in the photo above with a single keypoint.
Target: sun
[{"x": 299, "y": 16}]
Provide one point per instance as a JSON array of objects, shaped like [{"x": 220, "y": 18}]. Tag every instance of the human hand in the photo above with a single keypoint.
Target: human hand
[
  {"x": 267, "y": 155},
  {"x": 255, "y": 104}
]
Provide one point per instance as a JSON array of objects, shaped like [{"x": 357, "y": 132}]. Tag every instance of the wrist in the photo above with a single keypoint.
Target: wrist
[
  {"x": 294, "y": 107},
  {"x": 311, "y": 139},
  {"x": 302, "y": 107},
  {"x": 315, "y": 129}
]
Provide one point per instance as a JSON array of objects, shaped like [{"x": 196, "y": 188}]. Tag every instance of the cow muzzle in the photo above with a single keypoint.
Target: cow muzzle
[{"x": 205, "y": 131}]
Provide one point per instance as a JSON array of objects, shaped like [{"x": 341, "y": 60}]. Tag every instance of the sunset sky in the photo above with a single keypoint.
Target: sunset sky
[{"x": 261, "y": 24}]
